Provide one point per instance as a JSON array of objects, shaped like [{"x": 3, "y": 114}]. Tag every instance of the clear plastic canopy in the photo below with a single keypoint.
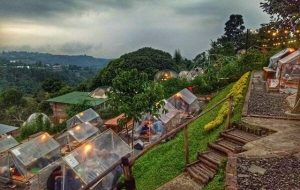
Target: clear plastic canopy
[
  {"x": 88, "y": 115},
  {"x": 7, "y": 142},
  {"x": 83, "y": 131},
  {"x": 187, "y": 96},
  {"x": 165, "y": 117},
  {"x": 95, "y": 156},
  {"x": 34, "y": 155},
  {"x": 289, "y": 67}
]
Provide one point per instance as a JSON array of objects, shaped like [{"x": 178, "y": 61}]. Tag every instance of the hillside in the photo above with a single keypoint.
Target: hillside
[
  {"x": 46, "y": 58},
  {"x": 146, "y": 60}
]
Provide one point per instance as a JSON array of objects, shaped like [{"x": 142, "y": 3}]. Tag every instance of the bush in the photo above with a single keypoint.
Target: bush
[{"x": 237, "y": 93}]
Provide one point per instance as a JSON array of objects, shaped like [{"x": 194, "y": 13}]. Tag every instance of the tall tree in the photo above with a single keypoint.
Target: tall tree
[
  {"x": 177, "y": 56},
  {"x": 234, "y": 32},
  {"x": 234, "y": 27},
  {"x": 134, "y": 95}
]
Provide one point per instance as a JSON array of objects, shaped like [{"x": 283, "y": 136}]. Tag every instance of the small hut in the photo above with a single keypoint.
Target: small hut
[
  {"x": 170, "y": 118},
  {"x": 75, "y": 136},
  {"x": 31, "y": 162},
  {"x": 7, "y": 142},
  {"x": 185, "y": 101},
  {"x": 88, "y": 115},
  {"x": 288, "y": 71},
  {"x": 270, "y": 71},
  {"x": 89, "y": 161},
  {"x": 7, "y": 129}
]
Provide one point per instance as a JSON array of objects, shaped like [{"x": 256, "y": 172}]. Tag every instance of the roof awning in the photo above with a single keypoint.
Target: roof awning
[{"x": 4, "y": 129}]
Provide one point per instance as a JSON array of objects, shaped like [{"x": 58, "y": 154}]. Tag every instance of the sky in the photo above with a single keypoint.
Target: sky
[{"x": 110, "y": 28}]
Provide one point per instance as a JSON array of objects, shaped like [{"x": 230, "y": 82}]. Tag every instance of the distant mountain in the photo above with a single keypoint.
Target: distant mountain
[{"x": 34, "y": 57}]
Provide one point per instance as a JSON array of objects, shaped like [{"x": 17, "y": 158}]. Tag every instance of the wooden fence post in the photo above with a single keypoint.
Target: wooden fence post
[
  {"x": 230, "y": 100},
  {"x": 186, "y": 145},
  {"x": 129, "y": 179}
]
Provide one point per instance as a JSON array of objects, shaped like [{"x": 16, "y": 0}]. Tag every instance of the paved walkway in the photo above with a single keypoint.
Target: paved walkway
[
  {"x": 181, "y": 182},
  {"x": 285, "y": 140}
]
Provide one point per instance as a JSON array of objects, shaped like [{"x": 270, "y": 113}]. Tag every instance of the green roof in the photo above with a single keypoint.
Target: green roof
[{"x": 77, "y": 98}]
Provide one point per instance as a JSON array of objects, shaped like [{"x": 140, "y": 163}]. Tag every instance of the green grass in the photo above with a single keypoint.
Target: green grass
[{"x": 217, "y": 182}]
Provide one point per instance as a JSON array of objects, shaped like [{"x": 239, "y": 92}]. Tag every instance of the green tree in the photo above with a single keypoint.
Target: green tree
[
  {"x": 234, "y": 27},
  {"x": 11, "y": 97},
  {"x": 234, "y": 32},
  {"x": 177, "y": 56},
  {"x": 134, "y": 95},
  {"x": 286, "y": 12},
  {"x": 52, "y": 85}
]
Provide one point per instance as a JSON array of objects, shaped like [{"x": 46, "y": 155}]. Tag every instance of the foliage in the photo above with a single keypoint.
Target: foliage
[
  {"x": 285, "y": 12},
  {"x": 237, "y": 92},
  {"x": 133, "y": 95},
  {"x": 201, "y": 60},
  {"x": 108, "y": 113},
  {"x": 226, "y": 69},
  {"x": 173, "y": 85},
  {"x": 166, "y": 161},
  {"x": 76, "y": 108},
  {"x": 177, "y": 56},
  {"x": 218, "y": 181},
  {"x": 28, "y": 78},
  {"x": 37, "y": 125},
  {"x": 147, "y": 60},
  {"x": 16, "y": 108},
  {"x": 234, "y": 27},
  {"x": 52, "y": 85}
]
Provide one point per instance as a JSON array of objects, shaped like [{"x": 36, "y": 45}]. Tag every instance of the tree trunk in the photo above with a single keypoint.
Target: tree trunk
[{"x": 132, "y": 133}]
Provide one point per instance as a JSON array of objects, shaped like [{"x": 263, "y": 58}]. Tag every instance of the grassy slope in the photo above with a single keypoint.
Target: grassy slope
[{"x": 166, "y": 161}]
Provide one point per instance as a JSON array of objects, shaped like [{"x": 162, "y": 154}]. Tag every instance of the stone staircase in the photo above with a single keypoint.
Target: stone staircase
[{"x": 231, "y": 141}]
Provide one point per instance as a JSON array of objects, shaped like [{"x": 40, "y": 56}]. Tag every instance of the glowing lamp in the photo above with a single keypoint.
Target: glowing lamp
[
  {"x": 77, "y": 128},
  {"x": 87, "y": 148},
  {"x": 44, "y": 136},
  {"x": 274, "y": 34},
  {"x": 291, "y": 50}
]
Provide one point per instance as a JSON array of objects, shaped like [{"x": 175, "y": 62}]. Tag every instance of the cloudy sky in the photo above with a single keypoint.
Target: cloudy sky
[{"x": 109, "y": 28}]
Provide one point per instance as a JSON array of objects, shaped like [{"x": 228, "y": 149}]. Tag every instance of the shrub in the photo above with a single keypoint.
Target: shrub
[{"x": 237, "y": 93}]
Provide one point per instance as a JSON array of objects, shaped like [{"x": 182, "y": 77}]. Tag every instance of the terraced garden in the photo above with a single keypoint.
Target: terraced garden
[{"x": 166, "y": 161}]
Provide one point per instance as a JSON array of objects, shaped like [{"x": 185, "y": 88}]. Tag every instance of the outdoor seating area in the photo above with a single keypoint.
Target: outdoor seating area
[
  {"x": 88, "y": 115},
  {"x": 185, "y": 101},
  {"x": 93, "y": 158},
  {"x": 75, "y": 136},
  {"x": 150, "y": 128},
  {"x": 283, "y": 72}
]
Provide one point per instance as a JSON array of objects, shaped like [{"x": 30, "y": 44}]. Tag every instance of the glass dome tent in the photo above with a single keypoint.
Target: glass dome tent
[
  {"x": 29, "y": 164},
  {"x": 76, "y": 135},
  {"x": 185, "y": 101},
  {"x": 170, "y": 118},
  {"x": 88, "y": 115},
  {"x": 94, "y": 157},
  {"x": 34, "y": 155},
  {"x": 6, "y": 143}
]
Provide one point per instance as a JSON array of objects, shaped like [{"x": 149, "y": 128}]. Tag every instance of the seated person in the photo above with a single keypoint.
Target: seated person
[
  {"x": 158, "y": 127},
  {"x": 145, "y": 129}
]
